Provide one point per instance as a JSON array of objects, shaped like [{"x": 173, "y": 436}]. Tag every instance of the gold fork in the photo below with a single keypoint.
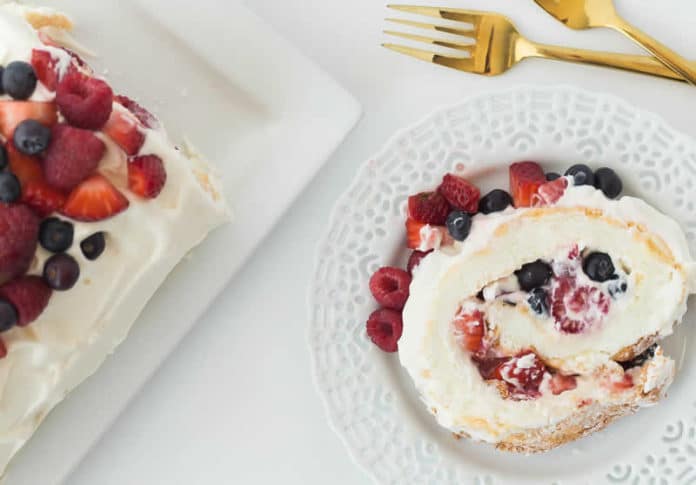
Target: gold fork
[
  {"x": 498, "y": 45},
  {"x": 585, "y": 14}
]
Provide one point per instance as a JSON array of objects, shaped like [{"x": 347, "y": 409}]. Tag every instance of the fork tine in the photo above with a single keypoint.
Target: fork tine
[
  {"x": 428, "y": 40},
  {"x": 460, "y": 63},
  {"x": 469, "y": 16},
  {"x": 438, "y": 28}
]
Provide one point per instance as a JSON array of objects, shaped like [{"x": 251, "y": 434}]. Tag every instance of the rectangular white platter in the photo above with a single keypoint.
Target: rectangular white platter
[{"x": 265, "y": 115}]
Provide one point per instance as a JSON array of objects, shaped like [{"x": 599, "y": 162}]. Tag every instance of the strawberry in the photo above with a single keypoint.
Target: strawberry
[
  {"x": 460, "y": 193},
  {"x": 29, "y": 295},
  {"x": 525, "y": 180},
  {"x": 415, "y": 259},
  {"x": 19, "y": 232},
  {"x": 560, "y": 383},
  {"x": 425, "y": 237},
  {"x": 94, "y": 199},
  {"x": 523, "y": 375},
  {"x": 626, "y": 382},
  {"x": 72, "y": 156},
  {"x": 26, "y": 168},
  {"x": 84, "y": 101},
  {"x": 3, "y": 349},
  {"x": 45, "y": 68},
  {"x": 470, "y": 330},
  {"x": 124, "y": 130},
  {"x": 146, "y": 176},
  {"x": 143, "y": 115},
  {"x": 549, "y": 192},
  {"x": 428, "y": 207},
  {"x": 390, "y": 287},
  {"x": 42, "y": 198},
  {"x": 12, "y": 113},
  {"x": 384, "y": 327}
]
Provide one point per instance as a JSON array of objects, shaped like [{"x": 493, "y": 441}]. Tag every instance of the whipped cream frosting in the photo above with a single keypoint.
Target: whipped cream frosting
[
  {"x": 649, "y": 246},
  {"x": 80, "y": 327}
]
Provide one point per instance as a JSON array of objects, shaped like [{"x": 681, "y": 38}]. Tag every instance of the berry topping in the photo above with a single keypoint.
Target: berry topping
[
  {"x": 428, "y": 207},
  {"x": 469, "y": 330},
  {"x": 640, "y": 359},
  {"x": 94, "y": 199},
  {"x": 19, "y": 231},
  {"x": 606, "y": 180},
  {"x": 551, "y": 176},
  {"x": 143, "y": 115},
  {"x": 550, "y": 192},
  {"x": 581, "y": 173},
  {"x": 522, "y": 374},
  {"x": 12, "y": 113},
  {"x": 19, "y": 80},
  {"x": 8, "y": 315},
  {"x": 4, "y": 158},
  {"x": 389, "y": 286},
  {"x": 598, "y": 267},
  {"x": 56, "y": 235},
  {"x": 525, "y": 179},
  {"x": 384, "y": 327},
  {"x": 29, "y": 295},
  {"x": 415, "y": 259},
  {"x": 93, "y": 246},
  {"x": 146, "y": 176},
  {"x": 576, "y": 309},
  {"x": 538, "y": 301},
  {"x": 26, "y": 168},
  {"x": 72, "y": 156},
  {"x": 459, "y": 225},
  {"x": 494, "y": 201},
  {"x": 42, "y": 198},
  {"x": 61, "y": 272},
  {"x": 460, "y": 193},
  {"x": 10, "y": 190},
  {"x": 532, "y": 275},
  {"x": 560, "y": 383},
  {"x": 85, "y": 102},
  {"x": 125, "y": 131},
  {"x": 45, "y": 68},
  {"x": 425, "y": 237},
  {"x": 31, "y": 137}
]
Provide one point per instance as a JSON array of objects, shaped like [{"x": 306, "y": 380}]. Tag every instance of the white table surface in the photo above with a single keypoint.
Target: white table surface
[{"x": 235, "y": 404}]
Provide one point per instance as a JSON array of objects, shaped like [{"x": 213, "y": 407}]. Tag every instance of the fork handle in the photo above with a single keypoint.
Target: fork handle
[
  {"x": 668, "y": 57},
  {"x": 627, "y": 62}
]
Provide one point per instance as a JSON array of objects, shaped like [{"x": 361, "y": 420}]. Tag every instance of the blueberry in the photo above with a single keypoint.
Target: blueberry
[
  {"x": 617, "y": 288},
  {"x": 19, "y": 80},
  {"x": 538, "y": 301},
  {"x": 31, "y": 137},
  {"x": 8, "y": 315},
  {"x": 494, "y": 201},
  {"x": 9, "y": 187},
  {"x": 640, "y": 359},
  {"x": 598, "y": 267},
  {"x": 93, "y": 246},
  {"x": 552, "y": 176},
  {"x": 458, "y": 225},
  {"x": 533, "y": 275},
  {"x": 56, "y": 235},
  {"x": 4, "y": 157},
  {"x": 608, "y": 182},
  {"x": 2, "y": 90},
  {"x": 582, "y": 174},
  {"x": 61, "y": 272}
]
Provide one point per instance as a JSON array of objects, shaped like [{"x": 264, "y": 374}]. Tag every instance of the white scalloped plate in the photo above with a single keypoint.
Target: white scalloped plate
[{"x": 370, "y": 400}]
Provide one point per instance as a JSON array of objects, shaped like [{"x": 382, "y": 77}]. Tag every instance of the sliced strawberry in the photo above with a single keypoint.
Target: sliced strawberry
[
  {"x": 460, "y": 193},
  {"x": 549, "y": 192},
  {"x": 143, "y": 115},
  {"x": 625, "y": 383},
  {"x": 425, "y": 237},
  {"x": 146, "y": 176},
  {"x": 470, "y": 330},
  {"x": 25, "y": 167},
  {"x": 525, "y": 180},
  {"x": 523, "y": 375},
  {"x": 45, "y": 68},
  {"x": 428, "y": 207},
  {"x": 43, "y": 198},
  {"x": 94, "y": 199},
  {"x": 560, "y": 383},
  {"x": 13, "y": 113},
  {"x": 123, "y": 128}
]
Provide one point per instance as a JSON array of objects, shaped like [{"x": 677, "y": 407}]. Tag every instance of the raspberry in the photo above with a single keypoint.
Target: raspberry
[
  {"x": 45, "y": 68},
  {"x": 19, "y": 232},
  {"x": 460, "y": 193},
  {"x": 428, "y": 207},
  {"x": 143, "y": 115},
  {"x": 29, "y": 295},
  {"x": 389, "y": 286},
  {"x": 72, "y": 156},
  {"x": 384, "y": 327},
  {"x": 550, "y": 192},
  {"x": 469, "y": 331},
  {"x": 523, "y": 375},
  {"x": 124, "y": 129},
  {"x": 146, "y": 176},
  {"x": 415, "y": 259},
  {"x": 85, "y": 102},
  {"x": 576, "y": 309}
]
